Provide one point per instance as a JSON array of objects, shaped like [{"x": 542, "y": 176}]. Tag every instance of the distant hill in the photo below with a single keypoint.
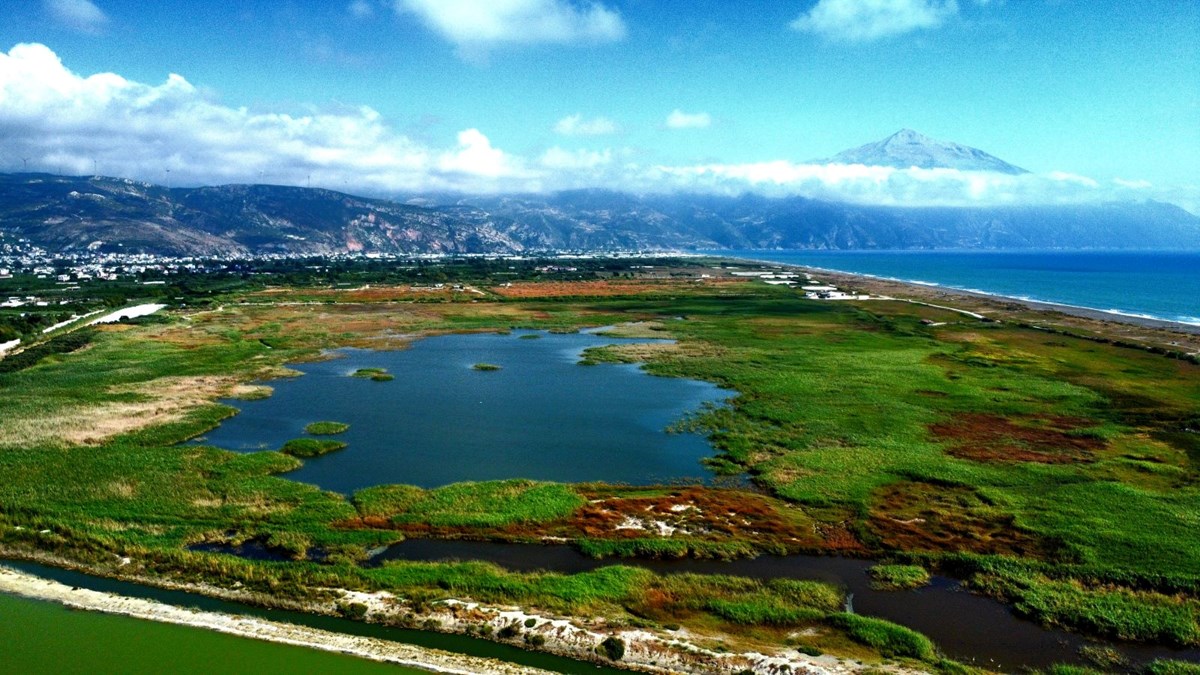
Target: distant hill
[
  {"x": 907, "y": 148},
  {"x": 65, "y": 213}
]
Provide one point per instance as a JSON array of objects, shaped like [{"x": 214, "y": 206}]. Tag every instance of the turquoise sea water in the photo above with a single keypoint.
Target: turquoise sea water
[{"x": 1154, "y": 284}]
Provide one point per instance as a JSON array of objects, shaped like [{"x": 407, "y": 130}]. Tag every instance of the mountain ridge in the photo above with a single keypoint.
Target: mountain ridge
[
  {"x": 70, "y": 214},
  {"x": 907, "y": 148}
]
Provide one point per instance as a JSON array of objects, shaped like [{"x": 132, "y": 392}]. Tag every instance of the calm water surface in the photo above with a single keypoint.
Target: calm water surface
[
  {"x": 45, "y": 637},
  {"x": 967, "y": 627},
  {"x": 541, "y": 416}
]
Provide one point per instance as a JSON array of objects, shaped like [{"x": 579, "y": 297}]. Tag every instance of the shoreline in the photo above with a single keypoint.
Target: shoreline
[
  {"x": 574, "y": 638},
  {"x": 1143, "y": 321},
  {"x": 25, "y": 585}
]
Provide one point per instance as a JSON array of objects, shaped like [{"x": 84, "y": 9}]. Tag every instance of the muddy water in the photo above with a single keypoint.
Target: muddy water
[{"x": 967, "y": 627}]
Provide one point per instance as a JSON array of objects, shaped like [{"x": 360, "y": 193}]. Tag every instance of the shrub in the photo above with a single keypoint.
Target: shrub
[
  {"x": 353, "y": 610},
  {"x": 613, "y": 647}
]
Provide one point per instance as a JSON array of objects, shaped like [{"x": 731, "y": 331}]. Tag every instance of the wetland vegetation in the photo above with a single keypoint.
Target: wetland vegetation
[
  {"x": 1054, "y": 471},
  {"x": 325, "y": 428}
]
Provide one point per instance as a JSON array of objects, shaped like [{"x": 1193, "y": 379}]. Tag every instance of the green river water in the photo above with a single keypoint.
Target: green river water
[{"x": 45, "y": 637}]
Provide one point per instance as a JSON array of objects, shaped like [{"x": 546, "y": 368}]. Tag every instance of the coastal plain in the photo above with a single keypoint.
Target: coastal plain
[{"x": 1049, "y": 461}]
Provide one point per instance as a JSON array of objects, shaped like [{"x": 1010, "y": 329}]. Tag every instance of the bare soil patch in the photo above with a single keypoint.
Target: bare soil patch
[{"x": 162, "y": 400}]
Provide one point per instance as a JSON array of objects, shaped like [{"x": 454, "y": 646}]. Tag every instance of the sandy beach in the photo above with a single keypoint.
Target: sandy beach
[
  {"x": 924, "y": 290},
  {"x": 1146, "y": 332}
]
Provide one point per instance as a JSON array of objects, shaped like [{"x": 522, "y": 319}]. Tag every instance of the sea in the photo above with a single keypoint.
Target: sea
[{"x": 1162, "y": 285}]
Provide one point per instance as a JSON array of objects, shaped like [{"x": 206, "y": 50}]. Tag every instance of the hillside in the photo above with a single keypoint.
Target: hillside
[{"x": 73, "y": 213}]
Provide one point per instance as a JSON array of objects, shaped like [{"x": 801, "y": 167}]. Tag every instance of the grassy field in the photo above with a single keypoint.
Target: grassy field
[{"x": 1056, "y": 472}]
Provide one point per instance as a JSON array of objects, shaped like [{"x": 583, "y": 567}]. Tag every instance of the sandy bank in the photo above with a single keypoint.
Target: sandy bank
[{"x": 29, "y": 586}]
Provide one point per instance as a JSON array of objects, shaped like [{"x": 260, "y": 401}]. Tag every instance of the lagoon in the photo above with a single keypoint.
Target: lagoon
[{"x": 540, "y": 415}]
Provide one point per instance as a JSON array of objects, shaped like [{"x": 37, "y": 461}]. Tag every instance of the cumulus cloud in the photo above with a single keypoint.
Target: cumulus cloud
[
  {"x": 682, "y": 120},
  {"x": 81, "y": 15},
  {"x": 867, "y": 20},
  {"x": 577, "y": 125},
  {"x": 475, "y": 156},
  {"x": 63, "y": 122},
  {"x": 474, "y": 25}
]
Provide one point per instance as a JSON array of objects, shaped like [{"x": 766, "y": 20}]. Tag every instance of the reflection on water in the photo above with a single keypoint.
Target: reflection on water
[{"x": 540, "y": 416}]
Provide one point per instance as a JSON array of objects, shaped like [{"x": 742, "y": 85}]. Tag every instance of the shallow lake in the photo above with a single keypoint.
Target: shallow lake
[{"x": 541, "y": 415}]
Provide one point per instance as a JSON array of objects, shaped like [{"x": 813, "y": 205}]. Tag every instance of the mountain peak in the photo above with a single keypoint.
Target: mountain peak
[{"x": 907, "y": 148}]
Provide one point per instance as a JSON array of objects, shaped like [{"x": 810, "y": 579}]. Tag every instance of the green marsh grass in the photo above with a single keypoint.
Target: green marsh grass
[
  {"x": 306, "y": 448},
  {"x": 835, "y": 404},
  {"x": 898, "y": 577},
  {"x": 325, "y": 428},
  {"x": 488, "y": 504}
]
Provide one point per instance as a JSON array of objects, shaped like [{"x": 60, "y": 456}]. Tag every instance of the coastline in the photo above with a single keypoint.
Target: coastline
[
  {"x": 1144, "y": 321},
  {"x": 26, "y": 585}
]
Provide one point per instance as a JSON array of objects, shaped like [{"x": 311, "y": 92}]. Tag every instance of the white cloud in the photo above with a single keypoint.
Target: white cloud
[
  {"x": 559, "y": 159},
  {"x": 81, "y": 15},
  {"x": 1137, "y": 184},
  {"x": 481, "y": 24},
  {"x": 475, "y": 156},
  {"x": 681, "y": 120},
  {"x": 576, "y": 125},
  {"x": 866, "y": 20},
  {"x": 890, "y": 186},
  {"x": 63, "y": 121},
  {"x": 360, "y": 9}
]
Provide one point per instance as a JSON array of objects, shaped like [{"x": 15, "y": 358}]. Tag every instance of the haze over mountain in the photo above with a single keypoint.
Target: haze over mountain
[
  {"x": 72, "y": 214},
  {"x": 907, "y": 148}
]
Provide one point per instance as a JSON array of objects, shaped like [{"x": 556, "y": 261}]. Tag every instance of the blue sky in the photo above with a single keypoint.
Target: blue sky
[{"x": 409, "y": 95}]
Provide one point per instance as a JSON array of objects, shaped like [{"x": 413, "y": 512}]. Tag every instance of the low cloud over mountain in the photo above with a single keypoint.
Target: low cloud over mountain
[{"x": 52, "y": 119}]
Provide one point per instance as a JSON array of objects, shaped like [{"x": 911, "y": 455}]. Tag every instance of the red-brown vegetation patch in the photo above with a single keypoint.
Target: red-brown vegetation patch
[
  {"x": 363, "y": 294},
  {"x": 601, "y": 287},
  {"x": 915, "y": 516},
  {"x": 990, "y": 438},
  {"x": 837, "y": 538},
  {"x": 695, "y": 512}
]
